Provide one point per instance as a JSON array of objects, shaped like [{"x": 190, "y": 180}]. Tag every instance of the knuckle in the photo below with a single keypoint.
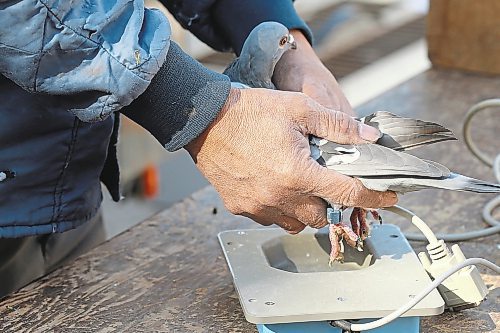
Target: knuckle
[
  {"x": 290, "y": 224},
  {"x": 309, "y": 180},
  {"x": 305, "y": 109},
  {"x": 333, "y": 124},
  {"x": 233, "y": 208},
  {"x": 352, "y": 195},
  {"x": 293, "y": 230},
  {"x": 320, "y": 180},
  {"x": 342, "y": 125}
]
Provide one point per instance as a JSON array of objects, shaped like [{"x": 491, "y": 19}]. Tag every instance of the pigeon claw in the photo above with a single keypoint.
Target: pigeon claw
[
  {"x": 339, "y": 259},
  {"x": 376, "y": 216},
  {"x": 338, "y": 233},
  {"x": 336, "y": 245},
  {"x": 359, "y": 224},
  {"x": 359, "y": 245}
]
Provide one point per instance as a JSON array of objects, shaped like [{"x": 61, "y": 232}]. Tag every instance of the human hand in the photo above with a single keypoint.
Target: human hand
[
  {"x": 301, "y": 70},
  {"x": 256, "y": 154}
]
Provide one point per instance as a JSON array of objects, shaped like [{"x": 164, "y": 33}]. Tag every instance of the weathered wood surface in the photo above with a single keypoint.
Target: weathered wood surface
[
  {"x": 168, "y": 274},
  {"x": 465, "y": 34}
]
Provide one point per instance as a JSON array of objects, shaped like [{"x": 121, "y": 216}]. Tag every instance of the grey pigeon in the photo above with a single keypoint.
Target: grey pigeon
[
  {"x": 382, "y": 166},
  {"x": 262, "y": 49}
]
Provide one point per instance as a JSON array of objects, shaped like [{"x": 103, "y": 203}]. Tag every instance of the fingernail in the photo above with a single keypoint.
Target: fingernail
[{"x": 369, "y": 133}]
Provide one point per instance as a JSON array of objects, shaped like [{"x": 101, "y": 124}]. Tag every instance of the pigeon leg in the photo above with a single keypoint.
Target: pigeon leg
[
  {"x": 339, "y": 232},
  {"x": 358, "y": 222},
  {"x": 376, "y": 215},
  {"x": 335, "y": 254},
  {"x": 364, "y": 227},
  {"x": 354, "y": 221}
]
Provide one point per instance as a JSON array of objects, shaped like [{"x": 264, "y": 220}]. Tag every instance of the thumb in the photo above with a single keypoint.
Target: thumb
[{"x": 336, "y": 126}]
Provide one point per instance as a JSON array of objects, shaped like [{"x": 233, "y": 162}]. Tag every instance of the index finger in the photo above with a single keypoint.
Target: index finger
[{"x": 334, "y": 125}]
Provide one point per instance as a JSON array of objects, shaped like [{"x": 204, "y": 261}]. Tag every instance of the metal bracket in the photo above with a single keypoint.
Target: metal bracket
[{"x": 344, "y": 325}]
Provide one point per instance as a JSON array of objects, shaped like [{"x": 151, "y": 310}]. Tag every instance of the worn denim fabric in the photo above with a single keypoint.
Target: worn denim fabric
[
  {"x": 65, "y": 67},
  {"x": 97, "y": 56},
  {"x": 225, "y": 24},
  {"x": 53, "y": 161}
]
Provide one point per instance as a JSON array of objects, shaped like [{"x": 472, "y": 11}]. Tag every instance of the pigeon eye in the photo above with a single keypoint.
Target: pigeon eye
[{"x": 283, "y": 40}]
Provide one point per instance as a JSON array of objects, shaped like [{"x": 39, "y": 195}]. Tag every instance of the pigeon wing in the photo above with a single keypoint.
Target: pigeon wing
[
  {"x": 371, "y": 160},
  {"x": 381, "y": 169},
  {"x": 401, "y": 133}
]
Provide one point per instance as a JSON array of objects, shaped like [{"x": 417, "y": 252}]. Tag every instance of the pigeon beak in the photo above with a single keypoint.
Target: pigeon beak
[{"x": 292, "y": 42}]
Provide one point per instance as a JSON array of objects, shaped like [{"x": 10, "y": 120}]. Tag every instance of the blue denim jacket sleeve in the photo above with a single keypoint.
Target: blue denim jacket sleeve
[
  {"x": 97, "y": 55},
  {"x": 225, "y": 24}
]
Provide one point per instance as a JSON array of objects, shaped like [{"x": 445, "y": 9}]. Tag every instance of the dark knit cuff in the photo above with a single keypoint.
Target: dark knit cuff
[
  {"x": 182, "y": 100},
  {"x": 236, "y": 19}
]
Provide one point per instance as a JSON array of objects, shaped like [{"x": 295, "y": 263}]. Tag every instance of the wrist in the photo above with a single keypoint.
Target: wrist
[{"x": 197, "y": 143}]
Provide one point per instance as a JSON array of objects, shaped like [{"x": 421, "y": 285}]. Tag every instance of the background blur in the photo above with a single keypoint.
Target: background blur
[{"x": 369, "y": 45}]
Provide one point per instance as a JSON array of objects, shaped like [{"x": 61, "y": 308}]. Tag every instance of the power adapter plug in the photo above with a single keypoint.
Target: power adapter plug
[{"x": 462, "y": 290}]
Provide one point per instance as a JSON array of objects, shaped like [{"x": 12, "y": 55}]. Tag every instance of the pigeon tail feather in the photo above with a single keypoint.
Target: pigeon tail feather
[{"x": 476, "y": 185}]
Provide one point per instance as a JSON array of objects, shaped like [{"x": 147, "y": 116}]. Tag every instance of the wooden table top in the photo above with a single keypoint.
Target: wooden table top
[{"x": 167, "y": 274}]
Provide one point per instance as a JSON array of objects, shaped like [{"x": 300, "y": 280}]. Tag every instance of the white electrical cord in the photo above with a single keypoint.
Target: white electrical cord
[
  {"x": 403, "y": 309},
  {"x": 428, "y": 235},
  {"x": 488, "y": 209}
]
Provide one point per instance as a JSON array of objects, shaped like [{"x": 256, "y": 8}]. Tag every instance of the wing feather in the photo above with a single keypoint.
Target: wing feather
[
  {"x": 375, "y": 161},
  {"x": 401, "y": 133}
]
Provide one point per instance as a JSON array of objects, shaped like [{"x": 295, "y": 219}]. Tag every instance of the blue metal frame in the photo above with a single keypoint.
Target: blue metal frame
[{"x": 400, "y": 325}]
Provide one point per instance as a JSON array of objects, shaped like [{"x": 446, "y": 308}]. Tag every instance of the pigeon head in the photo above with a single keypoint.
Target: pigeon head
[{"x": 265, "y": 45}]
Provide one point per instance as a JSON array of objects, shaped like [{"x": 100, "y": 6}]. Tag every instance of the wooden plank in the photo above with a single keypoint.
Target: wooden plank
[
  {"x": 168, "y": 274},
  {"x": 465, "y": 34}
]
